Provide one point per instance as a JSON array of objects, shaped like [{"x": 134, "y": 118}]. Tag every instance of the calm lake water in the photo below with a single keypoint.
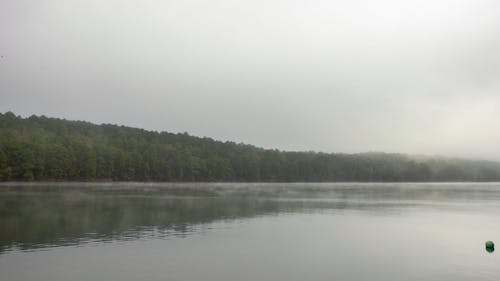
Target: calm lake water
[{"x": 219, "y": 232}]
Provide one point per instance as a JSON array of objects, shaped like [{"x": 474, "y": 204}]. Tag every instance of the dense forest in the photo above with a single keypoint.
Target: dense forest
[{"x": 42, "y": 148}]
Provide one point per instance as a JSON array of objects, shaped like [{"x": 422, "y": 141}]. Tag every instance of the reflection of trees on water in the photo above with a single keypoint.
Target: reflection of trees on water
[
  {"x": 34, "y": 217},
  {"x": 32, "y": 221}
]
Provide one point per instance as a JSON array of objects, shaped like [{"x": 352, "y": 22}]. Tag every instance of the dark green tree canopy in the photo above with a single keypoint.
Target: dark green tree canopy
[{"x": 41, "y": 148}]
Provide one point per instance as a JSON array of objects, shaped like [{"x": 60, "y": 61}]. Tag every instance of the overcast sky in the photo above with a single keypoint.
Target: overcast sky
[{"x": 336, "y": 76}]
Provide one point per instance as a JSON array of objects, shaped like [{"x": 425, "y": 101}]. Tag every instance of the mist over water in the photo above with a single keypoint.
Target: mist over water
[
  {"x": 343, "y": 80},
  {"x": 129, "y": 231}
]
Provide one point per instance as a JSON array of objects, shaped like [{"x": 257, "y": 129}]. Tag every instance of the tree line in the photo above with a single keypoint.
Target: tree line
[{"x": 42, "y": 148}]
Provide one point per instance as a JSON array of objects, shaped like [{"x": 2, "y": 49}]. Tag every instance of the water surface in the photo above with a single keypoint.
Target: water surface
[{"x": 124, "y": 231}]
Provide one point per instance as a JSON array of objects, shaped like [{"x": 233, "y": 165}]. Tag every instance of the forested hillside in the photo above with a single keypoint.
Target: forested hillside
[{"x": 41, "y": 148}]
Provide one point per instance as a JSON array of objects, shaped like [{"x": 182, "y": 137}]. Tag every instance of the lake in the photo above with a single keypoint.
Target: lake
[{"x": 239, "y": 231}]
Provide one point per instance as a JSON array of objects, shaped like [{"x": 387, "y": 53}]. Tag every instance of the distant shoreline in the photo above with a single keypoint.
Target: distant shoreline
[
  {"x": 45, "y": 149},
  {"x": 5, "y": 183}
]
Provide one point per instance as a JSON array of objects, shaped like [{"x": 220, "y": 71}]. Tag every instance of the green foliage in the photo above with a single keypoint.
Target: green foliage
[
  {"x": 41, "y": 148},
  {"x": 5, "y": 171}
]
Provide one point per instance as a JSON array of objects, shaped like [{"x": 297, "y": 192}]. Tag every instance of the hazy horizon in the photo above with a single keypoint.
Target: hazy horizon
[
  {"x": 419, "y": 78},
  {"x": 419, "y": 155}
]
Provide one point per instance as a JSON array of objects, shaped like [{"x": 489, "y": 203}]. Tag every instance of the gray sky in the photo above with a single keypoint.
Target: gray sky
[{"x": 336, "y": 76}]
